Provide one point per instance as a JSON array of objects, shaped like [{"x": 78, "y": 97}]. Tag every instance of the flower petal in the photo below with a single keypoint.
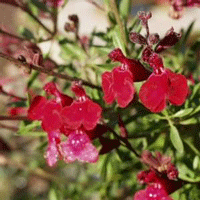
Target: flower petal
[
  {"x": 123, "y": 86},
  {"x": 79, "y": 146},
  {"x": 153, "y": 92},
  {"x": 36, "y": 110},
  {"x": 107, "y": 86},
  {"x": 52, "y": 119},
  {"x": 178, "y": 88}
]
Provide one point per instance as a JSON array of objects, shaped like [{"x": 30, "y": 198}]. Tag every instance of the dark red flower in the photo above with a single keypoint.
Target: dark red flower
[
  {"x": 118, "y": 84},
  {"x": 163, "y": 85},
  {"x": 170, "y": 39},
  {"x": 139, "y": 72},
  {"x": 79, "y": 147},
  {"x": 82, "y": 112}
]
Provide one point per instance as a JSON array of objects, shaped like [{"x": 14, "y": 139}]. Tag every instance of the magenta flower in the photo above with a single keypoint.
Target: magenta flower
[
  {"x": 118, "y": 84},
  {"x": 79, "y": 147},
  {"x": 154, "y": 192},
  {"x": 162, "y": 86},
  {"x": 82, "y": 112},
  {"x": 53, "y": 151}
]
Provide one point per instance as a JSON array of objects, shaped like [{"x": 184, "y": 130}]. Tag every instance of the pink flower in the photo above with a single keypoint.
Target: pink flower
[
  {"x": 162, "y": 86},
  {"x": 82, "y": 112},
  {"x": 79, "y": 147},
  {"x": 118, "y": 84},
  {"x": 154, "y": 192}
]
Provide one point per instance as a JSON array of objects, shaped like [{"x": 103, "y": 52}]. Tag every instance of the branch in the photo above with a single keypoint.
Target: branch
[
  {"x": 124, "y": 140},
  {"x": 28, "y": 11},
  {"x": 46, "y": 71},
  {"x": 11, "y": 95},
  {"x": 12, "y": 128},
  {"x": 12, "y": 35},
  {"x": 2, "y": 117}
]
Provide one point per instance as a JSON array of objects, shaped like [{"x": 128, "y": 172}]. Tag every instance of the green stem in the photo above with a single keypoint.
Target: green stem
[{"x": 115, "y": 11}]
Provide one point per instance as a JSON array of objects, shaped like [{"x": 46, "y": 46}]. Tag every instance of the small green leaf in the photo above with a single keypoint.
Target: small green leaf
[
  {"x": 196, "y": 162},
  {"x": 190, "y": 121},
  {"x": 125, "y": 8},
  {"x": 195, "y": 90},
  {"x": 117, "y": 39},
  {"x": 32, "y": 129},
  {"x": 183, "y": 113},
  {"x": 176, "y": 139},
  {"x": 26, "y": 33}
]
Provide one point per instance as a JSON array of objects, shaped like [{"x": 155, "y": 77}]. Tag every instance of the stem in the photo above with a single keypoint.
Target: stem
[
  {"x": 119, "y": 21},
  {"x": 95, "y": 4},
  {"x": 13, "y": 118},
  {"x": 12, "y": 128},
  {"x": 12, "y": 95},
  {"x": 28, "y": 11},
  {"x": 46, "y": 71},
  {"x": 124, "y": 140},
  {"x": 12, "y": 35}
]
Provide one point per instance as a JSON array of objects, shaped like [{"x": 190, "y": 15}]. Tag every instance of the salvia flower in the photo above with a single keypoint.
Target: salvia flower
[
  {"x": 158, "y": 179},
  {"x": 162, "y": 86},
  {"x": 82, "y": 112},
  {"x": 79, "y": 147},
  {"x": 76, "y": 119},
  {"x": 118, "y": 84}
]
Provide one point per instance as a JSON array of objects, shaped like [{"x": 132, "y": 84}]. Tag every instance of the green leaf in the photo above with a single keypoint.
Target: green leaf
[
  {"x": 176, "y": 139},
  {"x": 195, "y": 90},
  {"x": 125, "y": 8},
  {"x": 183, "y": 113},
  {"x": 32, "y": 129},
  {"x": 117, "y": 39},
  {"x": 52, "y": 195},
  {"x": 196, "y": 162},
  {"x": 190, "y": 121},
  {"x": 194, "y": 194},
  {"x": 40, "y": 5},
  {"x": 26, "y": 33},
  {"x": 74, "y": 51}
]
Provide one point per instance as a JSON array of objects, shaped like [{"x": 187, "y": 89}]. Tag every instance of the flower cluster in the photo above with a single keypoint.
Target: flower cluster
[
  {"x": 75, "y": 118},
  {"x": 161, "y": 86},
  {"x": 161, "y": 178},
  {"x": 118, "y": 84}
]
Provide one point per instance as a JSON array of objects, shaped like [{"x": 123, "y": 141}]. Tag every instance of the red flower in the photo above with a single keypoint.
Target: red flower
[
  {"x": 63, "y": 115},
  {"x": 161, "y": 178},
  {"x": 154, "y": 192},
  {"x": 162, "y": 86},
  {"x": 82, "y": 112},
  {"x": 79, "y": 147},
  {"x": 118, "y": 84}
]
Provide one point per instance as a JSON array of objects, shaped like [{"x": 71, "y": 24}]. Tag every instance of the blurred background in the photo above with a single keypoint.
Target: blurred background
[{"x": 23, "y": 170}]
